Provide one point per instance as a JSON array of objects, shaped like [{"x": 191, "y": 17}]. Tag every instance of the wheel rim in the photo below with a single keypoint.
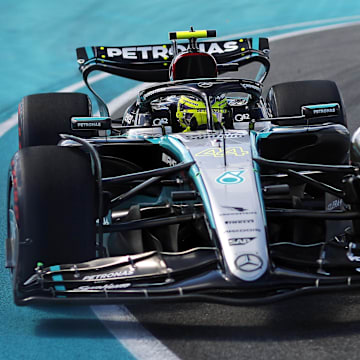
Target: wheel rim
[{"x": 13, "y": 233}]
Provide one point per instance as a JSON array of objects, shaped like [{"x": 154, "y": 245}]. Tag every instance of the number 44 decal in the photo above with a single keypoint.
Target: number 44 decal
[{"x": 218, "y": 152}]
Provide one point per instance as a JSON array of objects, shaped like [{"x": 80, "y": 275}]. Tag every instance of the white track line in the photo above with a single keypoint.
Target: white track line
[
  {"x": 80, "y": 84},
  {"x": 347, "y": 19},
  {"x": 8, "y": 124},
  {"x": 131, "y": 334},
  {"x": 117, "y": 319},
  {"x": 113, "y": 105},
  {"x": 312, "y": 31}
]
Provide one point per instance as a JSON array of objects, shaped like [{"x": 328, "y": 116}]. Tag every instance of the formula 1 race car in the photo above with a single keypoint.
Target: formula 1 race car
[{"x": 203, "y": 191}]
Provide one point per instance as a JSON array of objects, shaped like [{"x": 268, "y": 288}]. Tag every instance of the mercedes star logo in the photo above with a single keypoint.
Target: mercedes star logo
[
  {"x": 205, "y": 85},
  {"x": 248, "y": 262}
]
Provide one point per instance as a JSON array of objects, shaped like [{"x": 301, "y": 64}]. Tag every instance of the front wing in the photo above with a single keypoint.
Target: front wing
[{"x": 193, "y": 275}]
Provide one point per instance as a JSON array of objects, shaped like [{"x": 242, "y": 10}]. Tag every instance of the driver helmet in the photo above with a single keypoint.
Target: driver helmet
[{"x": 191, "y": 113}]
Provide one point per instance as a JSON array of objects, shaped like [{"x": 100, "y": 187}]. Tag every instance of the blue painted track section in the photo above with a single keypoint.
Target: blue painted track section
[{"x": 38, "y": 40}]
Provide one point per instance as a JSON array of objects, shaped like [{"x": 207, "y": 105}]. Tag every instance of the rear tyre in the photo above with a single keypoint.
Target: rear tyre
[
  {"x": 286, "y": 99},
  {"x": 42, "y": 117},
  {"x": 52, "y": 210}
]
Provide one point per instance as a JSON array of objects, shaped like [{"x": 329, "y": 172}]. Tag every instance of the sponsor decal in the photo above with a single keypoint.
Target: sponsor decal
[
  {"x": 324, "y": 111},
  {"x": 248, "y": 262},
  {"x": 88, "y": 124},
  {"x": 335, "y": 204},
  {"x": 128, "y": 119},
  {"x": 218, "y": 152},
  {"x": 217, "y": 97},
  {"x": 251, "y": 86},
  {"x": 162, "y": 121},
  {"x": 231, "y": 177},
  {"x": 248, "y": 221},
  {"x": 237, "y": 214},
  {"x": 111, "y": 275},
  {"x": 151, "y": 93},
  {"x": 238, "y": 102},
  {"x": 217, "y": 136},
  {"x": 162, "y": 52},
  {"x": 320, "y": 110},
  {"x": 168, "y": 160},
  {"x": 104, "y": 287},
  {"x": 218, "y": 47},
  {"x": 240, "y": 211},
  {"x": 242, "y": 230},
  {"x": 236, "y": 208},
  {"x": 241, "y": 117},
  {"x": 241, "y": 241}
]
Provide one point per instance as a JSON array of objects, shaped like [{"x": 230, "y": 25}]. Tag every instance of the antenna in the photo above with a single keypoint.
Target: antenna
[
  {"x": 224, "y": 143},
  {"x": 192, "y": 41},
  {"x": 174, "y": 46}
]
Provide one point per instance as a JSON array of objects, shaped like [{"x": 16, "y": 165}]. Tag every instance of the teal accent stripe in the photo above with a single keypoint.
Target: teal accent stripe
[
  {"x": 322, "y": 106},
  {"x": 261, "y": 135},
  {"x": 58, "y": 277},
  {"x": 196, "y": 176},
  {"x": 89, "y": 52},
  {"x": 60, "y": 288},
  {"x": 90, "y": 118},
  {"x": 255, "y": 46},
  {"x": 55, "y": 268},
  {"x": 253, "y": 142},
  {"x": 178, "y": 149}
]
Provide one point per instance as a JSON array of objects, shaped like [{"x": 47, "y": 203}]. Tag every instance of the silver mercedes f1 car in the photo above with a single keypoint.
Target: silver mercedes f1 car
[{"x": 204, "y": 190}]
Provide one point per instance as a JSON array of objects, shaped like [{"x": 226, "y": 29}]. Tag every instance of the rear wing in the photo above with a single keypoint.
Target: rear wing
[{"x": 150, "y": 63}]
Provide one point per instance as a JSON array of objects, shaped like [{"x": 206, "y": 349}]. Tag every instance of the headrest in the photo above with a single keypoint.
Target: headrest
[{"x": 193, "y": 65}]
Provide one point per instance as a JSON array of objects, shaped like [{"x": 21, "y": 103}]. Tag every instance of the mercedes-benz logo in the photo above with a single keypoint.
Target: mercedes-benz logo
[
  {"x": 248, "y": 262},
  {"x": 205, "y": 85}
]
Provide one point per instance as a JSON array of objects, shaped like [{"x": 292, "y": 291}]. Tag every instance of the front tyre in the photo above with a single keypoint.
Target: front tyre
[
  {"x": 52, "y": 210},
  {"x": 43, "y": 117}
]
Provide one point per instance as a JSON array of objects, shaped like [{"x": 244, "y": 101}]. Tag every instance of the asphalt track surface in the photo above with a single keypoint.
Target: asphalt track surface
[{"x": 315, "y": 327}]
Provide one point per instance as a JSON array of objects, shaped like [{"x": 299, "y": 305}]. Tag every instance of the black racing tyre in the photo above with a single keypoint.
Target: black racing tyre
[
  {"x": 42, "y": 117},
  {"x": 286, "y": 99},
  {"x": 52, "y": 210}
]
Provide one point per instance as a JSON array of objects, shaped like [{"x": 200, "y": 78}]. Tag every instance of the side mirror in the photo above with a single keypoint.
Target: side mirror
[
  {"x": 355, "y": 148},
  {"x": 321, "y": 110},
  {"x": 90, "y": 123}
]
